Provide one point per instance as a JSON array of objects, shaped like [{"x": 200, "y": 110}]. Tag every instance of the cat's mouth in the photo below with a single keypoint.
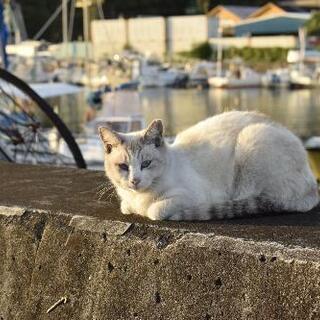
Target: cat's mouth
[{"x": 137, "y": 188}]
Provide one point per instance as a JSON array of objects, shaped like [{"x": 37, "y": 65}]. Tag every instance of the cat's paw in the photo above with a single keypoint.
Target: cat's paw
[
  {"x": 156, "y": 211},
  {"x": 125, "y": 208}
]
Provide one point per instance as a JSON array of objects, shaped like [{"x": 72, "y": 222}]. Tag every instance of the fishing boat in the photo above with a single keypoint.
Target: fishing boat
[
  {"x": 240, "y": 77},
  {"x": 306, "y": 78},
  {"x": 151, "y": 74},
  {"x": 305, "y": 70},
  {"x": 237, "y": 76},
  {"x": 200, "y": 73},
  {"x": 278, "y": 78}
]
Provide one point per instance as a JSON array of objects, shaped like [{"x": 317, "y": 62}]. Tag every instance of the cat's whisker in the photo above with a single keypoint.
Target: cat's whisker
[{"x": 105, "y": 190}]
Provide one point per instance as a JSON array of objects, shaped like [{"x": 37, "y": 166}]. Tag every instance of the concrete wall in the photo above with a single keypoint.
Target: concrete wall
[
  {"x": 186, "y": 31},
  {"x": 148, "y": 35},
  {"x": 155, "y": 35},
  {"x": 257, "y": 42},
  {"x": 108, "y": 36},
  {"x": 59, "y": 242}
]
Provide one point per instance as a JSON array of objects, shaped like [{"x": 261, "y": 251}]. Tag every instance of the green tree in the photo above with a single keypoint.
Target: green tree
[{"x": 313, "y": 24}]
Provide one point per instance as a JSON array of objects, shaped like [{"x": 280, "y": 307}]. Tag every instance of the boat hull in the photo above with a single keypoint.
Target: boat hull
[{"x": 227, "y": 83}]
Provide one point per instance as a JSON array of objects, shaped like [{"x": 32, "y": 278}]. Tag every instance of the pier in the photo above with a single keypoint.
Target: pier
[{"x": 65, "y": 254}]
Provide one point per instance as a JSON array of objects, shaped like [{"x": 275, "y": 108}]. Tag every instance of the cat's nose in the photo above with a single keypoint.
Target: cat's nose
[{"x": 135, "y": 181}]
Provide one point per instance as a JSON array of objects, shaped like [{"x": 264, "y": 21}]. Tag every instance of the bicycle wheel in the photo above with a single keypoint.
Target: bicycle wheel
[{"x": 30, "y": 131}]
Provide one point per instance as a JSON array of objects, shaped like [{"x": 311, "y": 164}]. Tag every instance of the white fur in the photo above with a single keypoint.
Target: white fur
[{"x": 232, "y": 156}]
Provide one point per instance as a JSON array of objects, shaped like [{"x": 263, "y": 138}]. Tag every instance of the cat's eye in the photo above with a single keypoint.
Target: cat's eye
[
  {"x": 145, "y": 164},
  {"x": 123, "y": 167}
]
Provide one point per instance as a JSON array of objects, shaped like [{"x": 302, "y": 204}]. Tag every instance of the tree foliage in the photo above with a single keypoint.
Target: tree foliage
[
  {"x": 313, "y": 24},
  {"x": 202, "y": 51}
]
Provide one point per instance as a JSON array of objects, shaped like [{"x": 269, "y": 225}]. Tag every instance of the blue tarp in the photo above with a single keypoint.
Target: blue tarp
[{"x": 3, "y": 37}]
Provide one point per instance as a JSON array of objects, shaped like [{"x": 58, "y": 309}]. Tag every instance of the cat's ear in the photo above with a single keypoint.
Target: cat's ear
[
  {"x": 109, "y": 138},
  {"x": 154, "y": 133}
]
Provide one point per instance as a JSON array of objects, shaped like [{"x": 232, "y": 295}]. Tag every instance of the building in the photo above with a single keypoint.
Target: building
[
  {"x": 200, "y": 29},
  {"x": 267, "y": 26},
  {"x": 269, "y": 9},
  {"x": 230, "y": 15},
  {"x": 272, "y": 20}
]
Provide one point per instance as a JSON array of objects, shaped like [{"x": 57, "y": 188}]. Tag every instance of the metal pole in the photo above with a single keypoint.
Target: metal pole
[
  {"x": 65, "y": 21},
  {"x": 86, "y": 36},
  {"x": 65, "y": 26},
  {"x": 219, "y": 53},
  {"x": 302, "y": 40}
]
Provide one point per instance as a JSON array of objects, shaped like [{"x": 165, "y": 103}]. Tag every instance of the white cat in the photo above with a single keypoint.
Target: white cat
[{"x": 231, "y": 165}]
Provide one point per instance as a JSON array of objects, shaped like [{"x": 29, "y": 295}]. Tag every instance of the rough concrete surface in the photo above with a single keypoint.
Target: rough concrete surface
[{"x": 58, "y": 240}]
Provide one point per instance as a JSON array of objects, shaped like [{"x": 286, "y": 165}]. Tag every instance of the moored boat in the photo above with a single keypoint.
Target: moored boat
[{"x": 241, "y": 77}]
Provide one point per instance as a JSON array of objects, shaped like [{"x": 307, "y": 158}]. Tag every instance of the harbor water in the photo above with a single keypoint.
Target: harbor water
[{"x": 299, "y": 110}]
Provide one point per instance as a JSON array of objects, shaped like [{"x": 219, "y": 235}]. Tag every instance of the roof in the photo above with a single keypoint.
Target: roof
[
  {"x": 268, "y": 9},
  {"x": 286, "y": 23},
  {"x": 301, "y": 3},
  {"x": 240, "y": 12}
]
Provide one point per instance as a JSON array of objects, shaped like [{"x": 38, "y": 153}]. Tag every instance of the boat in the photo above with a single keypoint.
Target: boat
[
  {"x": 200, "y": 73},
  {"x": 278, "y": 78},
  {"x": 305, "y": 78},
  {"x": 151, "y": 74},
  {"x": 305, "y": 71},
  {"x": 238, "y": 77},
  {"x": 44, "y": 90},
  {"x": 129, "y": 85}
]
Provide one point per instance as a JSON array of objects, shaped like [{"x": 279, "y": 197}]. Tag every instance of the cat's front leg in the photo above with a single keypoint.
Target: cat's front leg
[
  {"x": 168, "y": 209},
  {"x": 125, "y": 207}
]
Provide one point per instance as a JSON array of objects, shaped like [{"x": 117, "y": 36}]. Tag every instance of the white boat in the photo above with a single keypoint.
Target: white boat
[
  {"x": 200, "y": 73},
  {"x": 44, "y": 90},
  {"x": 241, "y": 77},
  {"x": 278, "y": 78},
  {"x": 305, "y": 73},
  {"x": 152, "y": 74},
  {"x": 305, "y": 78}
]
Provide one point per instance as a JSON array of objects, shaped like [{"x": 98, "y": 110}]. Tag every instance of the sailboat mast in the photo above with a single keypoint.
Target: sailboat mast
[
  {"x": 65, "y": 25},
  {"x": 65, "y": 21},
  {"x": 219, "y": 50},
  {"x": 302, "y": 45},
  {"x": 85, "y": 10}
]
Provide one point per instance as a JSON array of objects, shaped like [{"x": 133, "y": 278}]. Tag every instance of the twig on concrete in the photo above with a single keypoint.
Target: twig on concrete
[{"x": 63, "y": 300}]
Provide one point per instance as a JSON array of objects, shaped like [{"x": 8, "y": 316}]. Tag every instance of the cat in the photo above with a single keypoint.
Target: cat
[{"x": 231, "y": 165}]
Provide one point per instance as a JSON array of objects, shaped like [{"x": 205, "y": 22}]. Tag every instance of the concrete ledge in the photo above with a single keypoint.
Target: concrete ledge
[{"x": 60, "y": 244}]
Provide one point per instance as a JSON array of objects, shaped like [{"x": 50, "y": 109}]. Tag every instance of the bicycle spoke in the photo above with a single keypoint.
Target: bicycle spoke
[{"x": 22, "y": 126}]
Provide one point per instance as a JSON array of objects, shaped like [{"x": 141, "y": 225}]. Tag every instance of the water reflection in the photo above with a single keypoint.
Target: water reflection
[
  {"x": 299, "y": 110},
  {"x": 71, "y": 108}
]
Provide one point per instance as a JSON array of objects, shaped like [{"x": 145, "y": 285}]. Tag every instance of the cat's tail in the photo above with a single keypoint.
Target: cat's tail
[{"x": 245, "y": 207}]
